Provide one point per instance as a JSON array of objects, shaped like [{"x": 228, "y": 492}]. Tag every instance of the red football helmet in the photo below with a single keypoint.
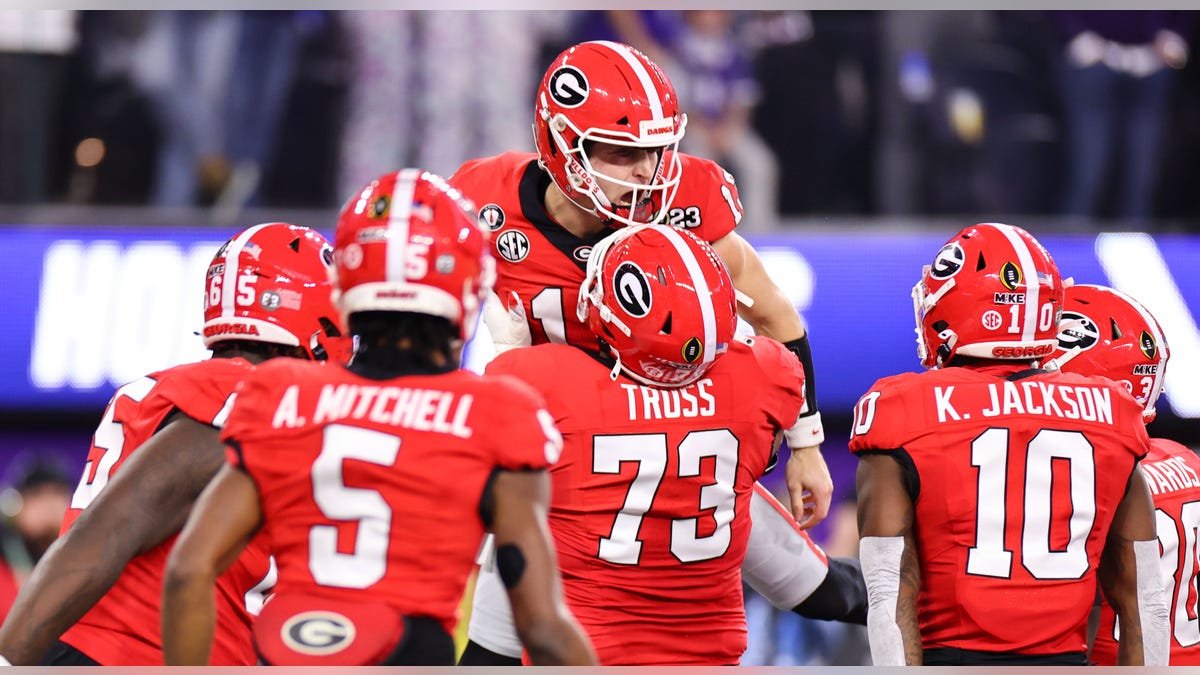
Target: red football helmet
[
  {"x": 1105, "y": 332},
  {"x": 662, "y": 300},
  {"x": 608, "y": 92},
  {"x": 992, "y": 292},
  {"x": 272, "y": 283},
  {"x": 408, "y": 242}
]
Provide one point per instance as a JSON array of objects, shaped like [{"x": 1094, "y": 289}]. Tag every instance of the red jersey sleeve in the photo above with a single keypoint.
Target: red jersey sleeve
[
  {"x": 523, "y": 432},
  {"x": 881, "y": 416},
  {"x": 203, "y": 391},
  {"x": 783, "y": 380},
  {"x": 246, "y": 417},
  {"x": 707, "y": 202}
]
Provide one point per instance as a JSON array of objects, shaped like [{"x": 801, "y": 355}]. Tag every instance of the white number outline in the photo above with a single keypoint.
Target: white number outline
[
  {"x": 109, "y": 437},
  {"x": 547, "y": 309},
  {"x": 367, "y": 563},
  {"x": 989, "y": 455},
  {"x": 650, "y": 452}
]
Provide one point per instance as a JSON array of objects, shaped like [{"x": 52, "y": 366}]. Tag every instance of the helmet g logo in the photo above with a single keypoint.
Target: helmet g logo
[
  {"x": 1010, "y": 276},
  {"x": 632, "y": 290},
  {"x": 1082, "y": 333},
  {"x": 948, "y": 262},
  {"x": 568, "y": 87},
  {"x": 318, "y": 633}
]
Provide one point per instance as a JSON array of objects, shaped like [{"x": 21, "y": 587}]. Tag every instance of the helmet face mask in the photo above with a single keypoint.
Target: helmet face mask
[
  {"x": 272, "y": 283},
  {"x": 607, "y": 92},
  {"x": 1107, "y": 333},
  {"x": 408, "y": 242},
  {"x": 663, "y": 302},
  {"x": 992, "y": 292}
]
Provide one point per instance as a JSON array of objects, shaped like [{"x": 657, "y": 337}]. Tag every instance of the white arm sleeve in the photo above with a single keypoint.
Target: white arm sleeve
[
  {"x": 492, "y": 625},
  {"x": 880, "y": 558},
  {"x": 782, "y": 563},
  {"x": 1152, "y": 603}
]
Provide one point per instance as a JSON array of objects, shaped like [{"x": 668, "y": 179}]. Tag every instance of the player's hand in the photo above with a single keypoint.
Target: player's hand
[
  {"x": 506, "y": 321},
  {"x": 809, "y": 486}
]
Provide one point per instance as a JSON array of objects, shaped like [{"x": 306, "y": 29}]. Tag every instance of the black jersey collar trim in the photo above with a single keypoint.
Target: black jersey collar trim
[{"x": 534, "y": 183}]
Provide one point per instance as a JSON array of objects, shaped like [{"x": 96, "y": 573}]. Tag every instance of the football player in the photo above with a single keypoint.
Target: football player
[
  {"x": 665, "y": 434},
  {"x": 607, "y": 125},
  {"x": 1105, "y": 332},
  {"x": 994, "y": 495},
  {"x": 97, "y": 589},
  {"x": 374, "y": 482}
]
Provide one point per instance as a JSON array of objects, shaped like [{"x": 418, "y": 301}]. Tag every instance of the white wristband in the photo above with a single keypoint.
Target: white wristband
[{"x": 806, "y": 432}]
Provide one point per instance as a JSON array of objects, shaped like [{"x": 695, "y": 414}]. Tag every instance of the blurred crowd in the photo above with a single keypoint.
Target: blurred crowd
[{"x": 1082, "y": 114}]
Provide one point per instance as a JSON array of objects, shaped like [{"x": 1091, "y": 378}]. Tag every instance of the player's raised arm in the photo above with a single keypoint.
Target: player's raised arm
[
  {"x": 525, "y": 560},
  {"x": 145, "y": 503},
  {"x": 222, "y": 523},
  {"x": 770, "y": 313}
]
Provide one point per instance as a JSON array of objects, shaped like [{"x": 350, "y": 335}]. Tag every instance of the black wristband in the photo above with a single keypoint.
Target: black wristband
[{"x": 801, "y": 349}]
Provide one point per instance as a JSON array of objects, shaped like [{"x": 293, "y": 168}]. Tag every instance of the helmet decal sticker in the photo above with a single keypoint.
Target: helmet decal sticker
[
  {"x": 1082, "y": 332},
  {"x": 568, "y": 87},
  {"x": 1010, "y": 276},
  {"x": 632, "y": 290},
  {"x": 948, "y": 261}
]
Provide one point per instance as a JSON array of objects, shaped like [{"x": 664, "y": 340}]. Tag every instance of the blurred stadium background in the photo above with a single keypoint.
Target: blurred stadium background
[{"x": 133, "y": 142}]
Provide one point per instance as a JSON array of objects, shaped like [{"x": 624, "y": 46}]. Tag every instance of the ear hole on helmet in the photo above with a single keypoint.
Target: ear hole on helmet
[
  {"x": 295, "y": 245},
  {"x": 662, "y": 276},
  {"x": 608, "y": 332},
  {"x": 623, "y": 121},
  {"x": 330, "y": 328},
  {"x": 979, "y": 266},
  {"x": 666, "y": 327},
  {"x": 1116, "y": 330},
  {"x": 940, "y": 326}
]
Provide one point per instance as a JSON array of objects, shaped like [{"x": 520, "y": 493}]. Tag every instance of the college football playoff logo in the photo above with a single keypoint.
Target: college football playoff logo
[
  {"x": 1010, "y": 276},
  {"x": 1148, "y": 345},
  {"x": 513, "y": 246},
  {"x": 318, "y": 633},
  {"x": 568, "y": 87},
  {"x": 948, "y": 262},
  {"x": 632, "y": 289},
  {"x": 1081, "y": 332}
]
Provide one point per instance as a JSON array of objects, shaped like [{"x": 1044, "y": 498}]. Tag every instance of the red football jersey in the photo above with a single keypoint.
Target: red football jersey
[
  {"x": 372, "y": 488},
  {"x": 651, "y": 506},
  {"x": 543, "y": 263},
  {"x": 1173, "y": 473},
  {"x": 1018, "y": 481},
  {"x": 124, "y": 627}
]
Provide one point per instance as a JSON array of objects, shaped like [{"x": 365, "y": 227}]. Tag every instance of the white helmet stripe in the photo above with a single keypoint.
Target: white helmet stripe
[
  {"x": 397, "y": 227},
  {"x": 233, "y": 253},
  {"x": 643, "y": 75},
  {"x": 1033, "y": 288},
  {"x": 707, "y": 312}
]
